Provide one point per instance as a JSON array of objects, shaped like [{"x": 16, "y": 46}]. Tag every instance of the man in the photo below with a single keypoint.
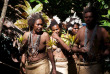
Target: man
[
  {"x": 34, "y": 58},
  {"x": 92, "y": 40}
]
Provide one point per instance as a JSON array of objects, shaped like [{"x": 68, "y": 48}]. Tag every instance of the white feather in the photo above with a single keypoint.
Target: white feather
[{"x": 57, "y": 19}]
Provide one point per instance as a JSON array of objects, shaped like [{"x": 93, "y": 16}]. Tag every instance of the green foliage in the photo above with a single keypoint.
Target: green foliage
[
  {"x": 28, "y": 9},
  {"x": 21, "y": 23},
  {"x": 106, "y": 22},
  {"x": 20, "y": 39},
  {"x": 68, "y": 39},
  {"x": 39, "y": 1}
]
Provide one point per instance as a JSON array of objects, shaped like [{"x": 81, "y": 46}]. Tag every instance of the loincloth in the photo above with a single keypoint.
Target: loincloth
[
  {"x": 40, "y": 67},
  {"x": 89, "y": 68},
  {"x": 85, "y": 63},
  {"x": 61, "y": 65}
]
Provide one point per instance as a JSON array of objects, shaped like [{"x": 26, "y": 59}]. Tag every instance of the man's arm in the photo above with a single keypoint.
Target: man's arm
[
  {"x": 106, "y": 38},
  {"x": 50, "y": 54},
  {"x": 76, "y": 45},
  {"x": 24, "y": 42},
  {"x": 22, "y": 52}
]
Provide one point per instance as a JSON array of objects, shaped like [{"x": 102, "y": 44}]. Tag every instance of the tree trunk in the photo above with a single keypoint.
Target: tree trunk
[{"x": 3, "y": 14}]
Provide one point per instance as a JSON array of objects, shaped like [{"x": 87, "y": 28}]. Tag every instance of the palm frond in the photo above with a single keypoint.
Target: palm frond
[
  {"x": 21, "y": 23},
  {"x": 51, "y": 43},
  {"x": 46, "y": 19},
  {"x": 37, "y": 8},
  {"x": 20, "y": 39},
  {"x": 25, "y": 8},
  {"x": 29, "y": 8}
]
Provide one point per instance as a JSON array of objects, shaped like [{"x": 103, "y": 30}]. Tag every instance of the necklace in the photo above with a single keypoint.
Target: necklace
[{"x": 33, "y": 50}]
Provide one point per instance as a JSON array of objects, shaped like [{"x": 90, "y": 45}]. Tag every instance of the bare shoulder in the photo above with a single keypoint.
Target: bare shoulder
[
  {"x": 102, "y": 29},
  {"x": 45, "y": 34},
  {"x": 103, "y": 32},
  {"x": 82, "y": 29},
  {"x": 26, "y": 34}
]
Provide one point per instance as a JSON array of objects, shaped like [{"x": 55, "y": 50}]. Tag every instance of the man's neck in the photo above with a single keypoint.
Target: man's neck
[
  {"x": 38, "y": 33},
  {"x": 90, "y": 26}
]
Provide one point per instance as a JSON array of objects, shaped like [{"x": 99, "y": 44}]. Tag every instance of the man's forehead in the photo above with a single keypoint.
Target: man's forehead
[{"x": 88, "y": 13}]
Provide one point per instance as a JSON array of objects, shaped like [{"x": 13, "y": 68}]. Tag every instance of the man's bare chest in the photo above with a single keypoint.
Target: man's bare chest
[{"x": 97, "y": 39}]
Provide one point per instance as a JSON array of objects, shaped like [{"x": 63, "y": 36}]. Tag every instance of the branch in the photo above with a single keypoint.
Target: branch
[
  {"x": 15, "y": 9},
  {"x": 3, "y": 14}
]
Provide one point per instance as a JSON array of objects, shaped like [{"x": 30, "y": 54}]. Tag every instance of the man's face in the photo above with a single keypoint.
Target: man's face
[
  {"x": 89, "y": 19},
  {"x": 75, "y": 29},
  {"x": 56, "y": 29},
  {"x": 38, "y": 25}
]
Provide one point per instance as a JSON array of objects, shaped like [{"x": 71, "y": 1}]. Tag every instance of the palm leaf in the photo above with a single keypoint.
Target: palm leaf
[
  {"x": 51, "y": 43},
  {"x": 37, "y": 8},
  {"x": 20, "y": 39},
  {"x": 65, "y": 38},
  {"x": 21, "y": 23},
  {"x": 24, "y": 8},
  {"x": 46, "y": 19},
  {"x": 24, "y": 14},
  {"x": 29, "y": 8}
]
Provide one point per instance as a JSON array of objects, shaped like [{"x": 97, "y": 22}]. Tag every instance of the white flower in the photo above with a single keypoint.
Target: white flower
[
  {"x": 67, "y": 20},
  {"x": 74, "y": 16},
  {"x": 70, "y": 29},
  {"x": 73, "y": 22},
  {"x": 76, "y": 21},
  {"x": 64, "y": 22},
  {"x": 57, "y": 19},
  {"x": 80, "y": 22}
]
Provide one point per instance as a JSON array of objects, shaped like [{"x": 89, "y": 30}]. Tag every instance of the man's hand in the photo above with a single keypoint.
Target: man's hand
[{"x": 83, "y": 50}]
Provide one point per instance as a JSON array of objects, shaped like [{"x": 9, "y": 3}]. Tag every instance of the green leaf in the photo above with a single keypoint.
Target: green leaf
[
  {"x": 103, "y": 2},
  {"x": 109, "y": 11},
  {"x": 46, "y": 1},
  {"x": 29, "y": 8},
  {"x": 38, "y": 2},
  {"x": 103, "y": 15},
  {"x": 38, "y": 8},
  {"x": 32, "y": 0},
  {"x": 23, "y": 7},
  {"x": 105, "y": 6},
  {"x": 99, "y": 0},
  {"x": 21, "y": 23}
]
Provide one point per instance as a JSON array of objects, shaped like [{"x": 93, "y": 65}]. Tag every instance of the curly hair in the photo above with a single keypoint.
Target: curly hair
[
  {"x": 32, "y": 18},
  {"x": 91, "y": 9}
]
